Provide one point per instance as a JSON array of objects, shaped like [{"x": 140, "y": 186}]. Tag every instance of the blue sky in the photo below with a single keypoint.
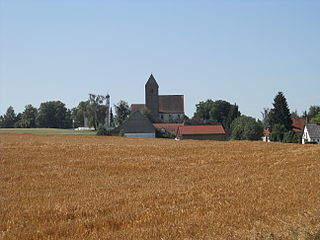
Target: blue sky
[{"x": 240, "y": 51}]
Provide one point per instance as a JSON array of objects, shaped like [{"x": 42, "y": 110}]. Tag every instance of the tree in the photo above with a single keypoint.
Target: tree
[
  {"x": 266, "y": 118},
  {"x": 294, "y": 114},
  {"x": 102, "y": 131},
  {"x": 277, "y": 133},
  {"x": 79, "y": 113},
  {"x": 53, "y": 114},
  {"x": 122, "y": 112},
  {"x": 28, "y": 117},
  {"x": 290, "y": 137},
  {"x": 147, "y": 113},
  {"x": 9, "y": 119},
  {"x": 315, "y": 119},
  {"x": 280, "y": 113},
  {"x": 111, "y": 118},
  {"x": 217, "y": 111},
  {"x": 313, "y": 111},
  {"x": 95, "y": 111},
  {"x": 246, "y": 128}
]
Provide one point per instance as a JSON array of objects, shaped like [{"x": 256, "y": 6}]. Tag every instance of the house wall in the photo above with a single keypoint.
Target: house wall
[
  {"x": 140, "y": 135},
  {"x": 217, "y": 137},
  {"x": 166, "y": 116}
]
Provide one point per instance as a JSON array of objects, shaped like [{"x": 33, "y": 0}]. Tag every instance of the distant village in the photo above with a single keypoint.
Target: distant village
[{"x": 163, "y": 116}]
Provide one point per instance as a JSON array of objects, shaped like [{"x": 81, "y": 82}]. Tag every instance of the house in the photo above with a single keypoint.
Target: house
[
  {"x": 202, "y": 132},
  {"x": 266, "y": 135},
  {"x": 163, "y": 108},
  {"x": 311, "y": 133},
  {"x": 137, "y": 125}
]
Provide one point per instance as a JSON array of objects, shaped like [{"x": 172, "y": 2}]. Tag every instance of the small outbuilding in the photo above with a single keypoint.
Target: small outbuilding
[
  {"x": 137, "y": 125},
  {"x": 202, "y": 132},
  {"x": 311, "y": 133}
]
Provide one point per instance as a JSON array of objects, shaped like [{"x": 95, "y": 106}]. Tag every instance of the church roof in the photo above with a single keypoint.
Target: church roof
[
  {"x": 171, "y": 104},
  {"x": 152, "y": 81}
]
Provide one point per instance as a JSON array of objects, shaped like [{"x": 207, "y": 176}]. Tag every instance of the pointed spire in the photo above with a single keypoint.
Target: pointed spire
[{"x": 152, "y": 81}]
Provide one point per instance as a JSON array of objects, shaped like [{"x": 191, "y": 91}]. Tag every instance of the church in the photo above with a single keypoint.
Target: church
[{"x": 163, "y": 108}]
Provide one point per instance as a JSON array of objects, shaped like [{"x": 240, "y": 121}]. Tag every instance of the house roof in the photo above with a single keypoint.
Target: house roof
[
  {"x": 169, "y": 127},
  {"x": 136, "y": 107},
  {"x": 201, "y": 129},
  {"x": 298, "y": 124},
  {"x": 136, "y": 123},
  {"x": 171, "y": 104},
  {"x": 313, "y": 130}
]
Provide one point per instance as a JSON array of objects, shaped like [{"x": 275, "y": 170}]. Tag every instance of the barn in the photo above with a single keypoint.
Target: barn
[
  {"x": 137, "y": 125},
  {"x": 202, "y": 132}
]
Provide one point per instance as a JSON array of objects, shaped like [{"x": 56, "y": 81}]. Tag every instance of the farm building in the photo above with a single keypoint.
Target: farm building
[
  {"x": 202, "y": 132},
  {"x": 137, "y": 125},
  {"x": 162, "y": 107},
  {"x": 311, "y": 133}
]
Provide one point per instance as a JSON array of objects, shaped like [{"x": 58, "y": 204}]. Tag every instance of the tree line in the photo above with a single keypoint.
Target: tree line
[{"x": 54, "y": 114}]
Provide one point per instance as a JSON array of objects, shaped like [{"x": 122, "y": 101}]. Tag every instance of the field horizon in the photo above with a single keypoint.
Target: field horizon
[{"x": 91, "y": 187}]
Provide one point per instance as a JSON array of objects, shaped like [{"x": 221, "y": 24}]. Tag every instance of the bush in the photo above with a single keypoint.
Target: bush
[
  {"x": 290, "y": 137},
  {"x": 102, "y": 131},
  {"x": 121, "y": 133}
]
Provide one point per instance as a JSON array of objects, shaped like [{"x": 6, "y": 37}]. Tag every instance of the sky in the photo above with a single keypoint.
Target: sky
[{"x": 243, "y": 52}]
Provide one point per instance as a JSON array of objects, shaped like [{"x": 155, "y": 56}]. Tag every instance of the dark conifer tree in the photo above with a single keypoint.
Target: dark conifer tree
[{"x": 280, "y": 113}]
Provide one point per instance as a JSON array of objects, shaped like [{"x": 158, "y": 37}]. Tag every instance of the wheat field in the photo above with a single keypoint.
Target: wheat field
[{"x": 87, "y": 187}]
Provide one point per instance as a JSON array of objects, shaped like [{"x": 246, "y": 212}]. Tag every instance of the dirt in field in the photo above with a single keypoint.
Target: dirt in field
[{"x": 84, "y": 187}]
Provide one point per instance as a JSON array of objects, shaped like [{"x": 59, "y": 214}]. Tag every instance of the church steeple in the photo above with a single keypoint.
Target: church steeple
[{"x": 152, "y": 97}]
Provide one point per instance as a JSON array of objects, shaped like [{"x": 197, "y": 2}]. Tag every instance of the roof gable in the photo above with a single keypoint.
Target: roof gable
[
  {"x": 298, "y": 124},
  {"x": 136, "y": 123}
]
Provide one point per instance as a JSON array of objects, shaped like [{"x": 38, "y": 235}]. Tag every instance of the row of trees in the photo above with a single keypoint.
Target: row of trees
[{"x": 54, "y": 114}]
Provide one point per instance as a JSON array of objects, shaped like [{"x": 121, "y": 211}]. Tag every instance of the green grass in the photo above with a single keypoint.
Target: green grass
[{"x": 46, "y": 131}]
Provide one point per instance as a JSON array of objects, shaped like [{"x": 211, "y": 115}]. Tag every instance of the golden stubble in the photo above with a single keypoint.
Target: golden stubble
[{"x": 84, "y": 187}]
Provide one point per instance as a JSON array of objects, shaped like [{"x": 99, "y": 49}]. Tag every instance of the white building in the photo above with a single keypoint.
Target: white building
[{"x": 311, "y": 133}]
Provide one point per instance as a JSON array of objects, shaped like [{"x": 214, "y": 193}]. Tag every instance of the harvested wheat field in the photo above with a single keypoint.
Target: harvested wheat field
[{"x": 87, "y": 187}]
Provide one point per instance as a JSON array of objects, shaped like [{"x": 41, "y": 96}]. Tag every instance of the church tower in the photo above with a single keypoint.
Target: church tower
[{"x": 152, "y": 97}]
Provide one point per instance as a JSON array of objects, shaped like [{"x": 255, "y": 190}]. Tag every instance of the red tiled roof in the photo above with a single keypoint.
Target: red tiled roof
[
  {"x": 298, "y": 124},
  {"x": 169, "y": 127},
  {"x": 201, "y": 129}
]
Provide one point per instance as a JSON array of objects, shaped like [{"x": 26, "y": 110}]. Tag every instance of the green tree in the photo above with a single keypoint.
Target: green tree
[
  {"x": 111, "y": 118},
  {"x": 313, "y": 111},
  {"x": 122, "y": 112},
  {"x": 28, "y": 117},
  {"x": 95, "y": 111},
  {"x": 9, "y": 119},
  {"x": 277, "y": 133},
  {"x": 266, "y": 118},
  {"x": 246, "y": 128},
  {"x": 102, "y": 131},
  {"x": 290, "y": 137},
  {"x": 53, "y": 114},
  {"x": 280, "y": 113},
  {"x": 217, "y": 111},
  {"x": 315, "y": 119},
  {"x": 147, "y": 113},
  {"x": 79, "y": 113}
]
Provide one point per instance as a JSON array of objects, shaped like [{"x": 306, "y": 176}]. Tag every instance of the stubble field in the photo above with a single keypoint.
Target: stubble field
[{"x": 85, "y": 187}]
